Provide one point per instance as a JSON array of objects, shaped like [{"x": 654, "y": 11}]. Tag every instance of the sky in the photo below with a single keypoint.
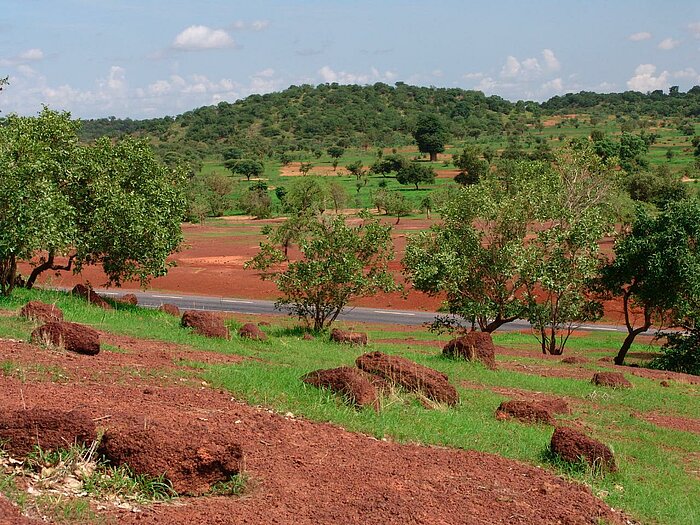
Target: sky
[{"x": 151, "y": 58}]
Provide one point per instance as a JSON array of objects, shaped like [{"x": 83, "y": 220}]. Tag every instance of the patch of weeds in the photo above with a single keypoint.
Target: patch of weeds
[
  {"x": 62, "y": 509},
  {"x": 113, "y": 349},
  {"x": 234, "y": 486},
  {"x": 120, "y": 482}
]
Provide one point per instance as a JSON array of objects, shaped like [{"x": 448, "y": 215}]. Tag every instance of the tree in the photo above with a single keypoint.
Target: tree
[
  {"x": 338, "y": 263},
  {"x": 246, "y": 167},
  {"x": 430, "y": 134},
  {"x": 388, "y": 164},
  {"x": 656, "y": 270},
  {"x": 305, "y": 168},
  {"x": 471, "y": 166},
  {"x": 356, "y": 169},
  {"x": 414, "y": 173},
  {"x": 474, "y": 256},
  {"x": 335, "y": 153},
  {"x": 396, "y": 204},
  {"x": 111, "y": 204},
  {"x": 338, "y": 195},
  {"x": 218, "y": 188},
  {"x": 306, "y": 194},
  {"x": 256, "y": 201}
]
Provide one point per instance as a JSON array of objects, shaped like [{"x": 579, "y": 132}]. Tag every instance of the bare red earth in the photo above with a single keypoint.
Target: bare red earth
[{"x": 300, "y": 472}]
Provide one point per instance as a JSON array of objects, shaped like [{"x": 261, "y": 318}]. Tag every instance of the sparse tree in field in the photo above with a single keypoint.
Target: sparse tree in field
[
  {"x": 356, "y": 169},
  {"x": 256, "y": 201},
  {"x": 246, "y": 167},
  {"x": 307, "y": 194},
  {"x": 396, "y": 204},
  {"x": 426, "y": 205},
  {"x": 305, "y": 168},
  {"x": 656, "y": 270},
  {"x": 218, "y": 188},
  {"x": 338, "y": 195},
  {"x": 335, "y": 153},
  {"x": 338, "y": 263},
  {"x": 471, "y": 166},
  {"x": 388, "y": 164},
  {"x": 431, "y": 135},
  {"x": 110, "y": 204},
  {"x": 414, "y": 173}
]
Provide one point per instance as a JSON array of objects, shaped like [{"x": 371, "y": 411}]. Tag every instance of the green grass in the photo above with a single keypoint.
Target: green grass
[{"x": 655, "y": 483}]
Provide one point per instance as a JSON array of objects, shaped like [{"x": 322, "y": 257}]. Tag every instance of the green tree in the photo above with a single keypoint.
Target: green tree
[
  {"x": 256, "y": 201},
  {"x": 335, "y": 152},
  {"x": 471, "y": 166},
  {"x": 388, "y": 164},
  {"x": 111, "y": 204},
  {"x": 396, "y": 204},
  {"x": 338, "y": 263},
  {"x": 656, "y": 270},
  {"x": 305, "y": 168},
  {"x": 357, "y": 169},
  {"x": 414, "y": 173},
  {"x": 338, "y": 195},
  {"x": 246, "y": 167},
  {"x": 431, "y": 135},
  {"x": 306, "y": 194},
  {"x": 218, "y": 187}
]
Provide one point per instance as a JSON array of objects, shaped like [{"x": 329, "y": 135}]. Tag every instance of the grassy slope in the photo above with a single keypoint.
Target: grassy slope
[{"x": 656, "y": 482}]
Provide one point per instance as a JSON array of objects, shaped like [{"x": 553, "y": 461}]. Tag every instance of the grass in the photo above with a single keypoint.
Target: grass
[{"x": 655, "y": 484}]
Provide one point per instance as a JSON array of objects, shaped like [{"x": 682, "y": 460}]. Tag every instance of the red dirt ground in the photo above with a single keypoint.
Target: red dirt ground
[{"x": 300, "y": 471}]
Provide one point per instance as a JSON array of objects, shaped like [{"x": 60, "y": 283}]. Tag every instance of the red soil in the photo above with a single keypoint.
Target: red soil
[{"x": 300, "y": 472}]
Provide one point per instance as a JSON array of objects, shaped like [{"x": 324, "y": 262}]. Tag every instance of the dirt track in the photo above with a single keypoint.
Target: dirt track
[{"x": 300, "y": 471}]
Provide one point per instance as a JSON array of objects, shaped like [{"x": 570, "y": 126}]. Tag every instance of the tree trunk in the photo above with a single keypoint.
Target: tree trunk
[
  {"x": 47, "y": 265},
  {"x": 627, "y": 343},
  {"x": 433, "y": 156}
]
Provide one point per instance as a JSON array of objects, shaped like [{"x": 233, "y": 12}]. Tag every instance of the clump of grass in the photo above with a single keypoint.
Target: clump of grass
[{"x": 234, "y": 486}]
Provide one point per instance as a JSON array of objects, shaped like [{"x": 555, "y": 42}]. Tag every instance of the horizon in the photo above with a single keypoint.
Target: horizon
[{"x": 122, "y": 58}]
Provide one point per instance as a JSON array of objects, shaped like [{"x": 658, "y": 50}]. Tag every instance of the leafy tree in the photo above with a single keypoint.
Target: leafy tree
[
  {"x": 305, "y": 168},
  {"x": 356, "y": 169},
  {"x": 256, "y": 201},
  {"x": 396, "y": 204},
  {"x": 335, "y": 153},
  {"x": 431, "y": 135},
  {"x": 218, "y": 188},
  {"x": 338, "y": 263},
  {"x": 388, "y": 164},
  {"x": 338, "y": 195},
  {"x": 658, "y": 187},
  {"x": 111, "y": 204},
  {"x": 246, "y": 167},
  {"x": 471, "y": 166},
  {"x": 681, "y": 353},
  {"x": 306, "y": 194},
  {"x": 414, "y": 173},
  {"x": 656, "y": 270},
  {"x": 426, "y": 204}
]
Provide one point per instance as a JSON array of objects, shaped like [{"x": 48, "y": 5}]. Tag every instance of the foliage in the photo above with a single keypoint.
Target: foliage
[
  {"x": 218, "y": 188},
  {"x": 388, "y": 164},
  {"x": 658, "y": 187},
  {"x": 108, "y": 203},
  {"x": 339, "y": 262},
  {"x": 256, "y": 202},
  {"x": 415, "y": 173},
  {"x": 246, "y": 167},
  {"x": 306, "y": 195},
  {"x": 656, "y": 268},
  {"x": 471, "y": 166},
  {"x": 681, "y": 353},
  {"x": 430, "y": 133}
]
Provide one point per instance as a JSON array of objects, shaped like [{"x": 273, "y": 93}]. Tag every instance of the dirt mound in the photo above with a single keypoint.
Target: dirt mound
[
  {"x": 611, "y": 379},
  {"x": 170, "y": 309},
  {"x": 353, "y": 338},
  {"x": 207, "y": 324},
  {"x": 129, "y": 298},
  {"x": 473, "y": 346},
  {"x": 412, "y": 376},
  {"x": 352, "y": 383},
  {"x": 70, "y": 336},
  {"x": 573, "y": 446},
  {"x": 38, "y": 311},
  {"x": 252, "y": 331},
  {"x": 21, "y": 430},
  {"x": 524, "y": 411},
  {"x": 80, "y": 290},
  {"x": 575, "y": 360},
  {"x": 189, "y": 459}
]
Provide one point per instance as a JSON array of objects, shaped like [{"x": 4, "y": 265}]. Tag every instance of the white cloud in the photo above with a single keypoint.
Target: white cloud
[
  {"x": 644, "y": 79},
  {"x": 469, "y": 76},
  {"x": 31, "y": 54},
  {"x": 196, "y": 38},
  {"x": 695, "y": 29},
  {"x": 638, "y": 37},
  {"x": 329, "y": 75},
  {"x": 511, "y": 68},
  {"x": 259, "y": 25},
  {"x": 553, "y": 86},
  {"x": 550, "y": 60},
  {"x": 688, "y": 73},
  {"x": 668, "y": 43}
]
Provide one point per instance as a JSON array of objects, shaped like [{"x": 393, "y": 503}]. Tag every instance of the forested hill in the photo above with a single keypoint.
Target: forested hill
[{"x": 313, "y": 118}]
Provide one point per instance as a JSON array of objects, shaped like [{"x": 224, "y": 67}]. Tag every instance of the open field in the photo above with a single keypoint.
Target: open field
[{"x": 300, "y": 461}]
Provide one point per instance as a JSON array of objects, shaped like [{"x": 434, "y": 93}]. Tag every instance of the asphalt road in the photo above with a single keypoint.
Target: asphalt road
[{"x": 359, "y": 314}]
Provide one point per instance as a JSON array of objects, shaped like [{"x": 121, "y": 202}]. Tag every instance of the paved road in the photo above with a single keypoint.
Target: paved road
[{"x": 359, "y": 314}]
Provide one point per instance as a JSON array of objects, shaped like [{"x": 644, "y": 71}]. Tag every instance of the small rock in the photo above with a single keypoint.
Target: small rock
[
  {"x": 611, "y": 379},
  {"x": 251, "y": 331},
  {"x": 353, "y": 338}
]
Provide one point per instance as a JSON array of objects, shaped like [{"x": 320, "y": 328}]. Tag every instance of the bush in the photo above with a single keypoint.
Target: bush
[{"x": 681, "y": 353}]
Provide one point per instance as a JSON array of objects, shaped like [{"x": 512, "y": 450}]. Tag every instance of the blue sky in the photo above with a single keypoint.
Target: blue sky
[{"x": 149, "y": 58}]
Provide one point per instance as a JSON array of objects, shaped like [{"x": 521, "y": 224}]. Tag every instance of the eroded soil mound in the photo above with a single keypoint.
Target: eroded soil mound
[
  {"x": 191, "y": 460},
  {"x": 353, "y": 338},
  {"x": 207, "y": 324},
  {"x": 524, "y": 411},
  {"x": 73, "y": 337},
  {"x": 170, "y": 309},
  {"x": 21, "y": 430},
  {"x": 573, "y": 446},
  {"x": 611, "y": 379},
  {"x": 129, "y": 298},
  {"x": 10, "y": 514},
  {"x": 92, "y": 297},
  {"x": 352, "y": 383},
  {"x": 38, "y": 311},
  {"x": 252, "y": 331},
  {"x": 474, "y": 346},
  {"x": 412, "y": 376},
  {"x": 575, "y": 360}
]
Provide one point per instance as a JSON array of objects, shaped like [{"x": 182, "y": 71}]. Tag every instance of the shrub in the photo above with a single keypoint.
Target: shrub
[{"x": 681, "y": 353}]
